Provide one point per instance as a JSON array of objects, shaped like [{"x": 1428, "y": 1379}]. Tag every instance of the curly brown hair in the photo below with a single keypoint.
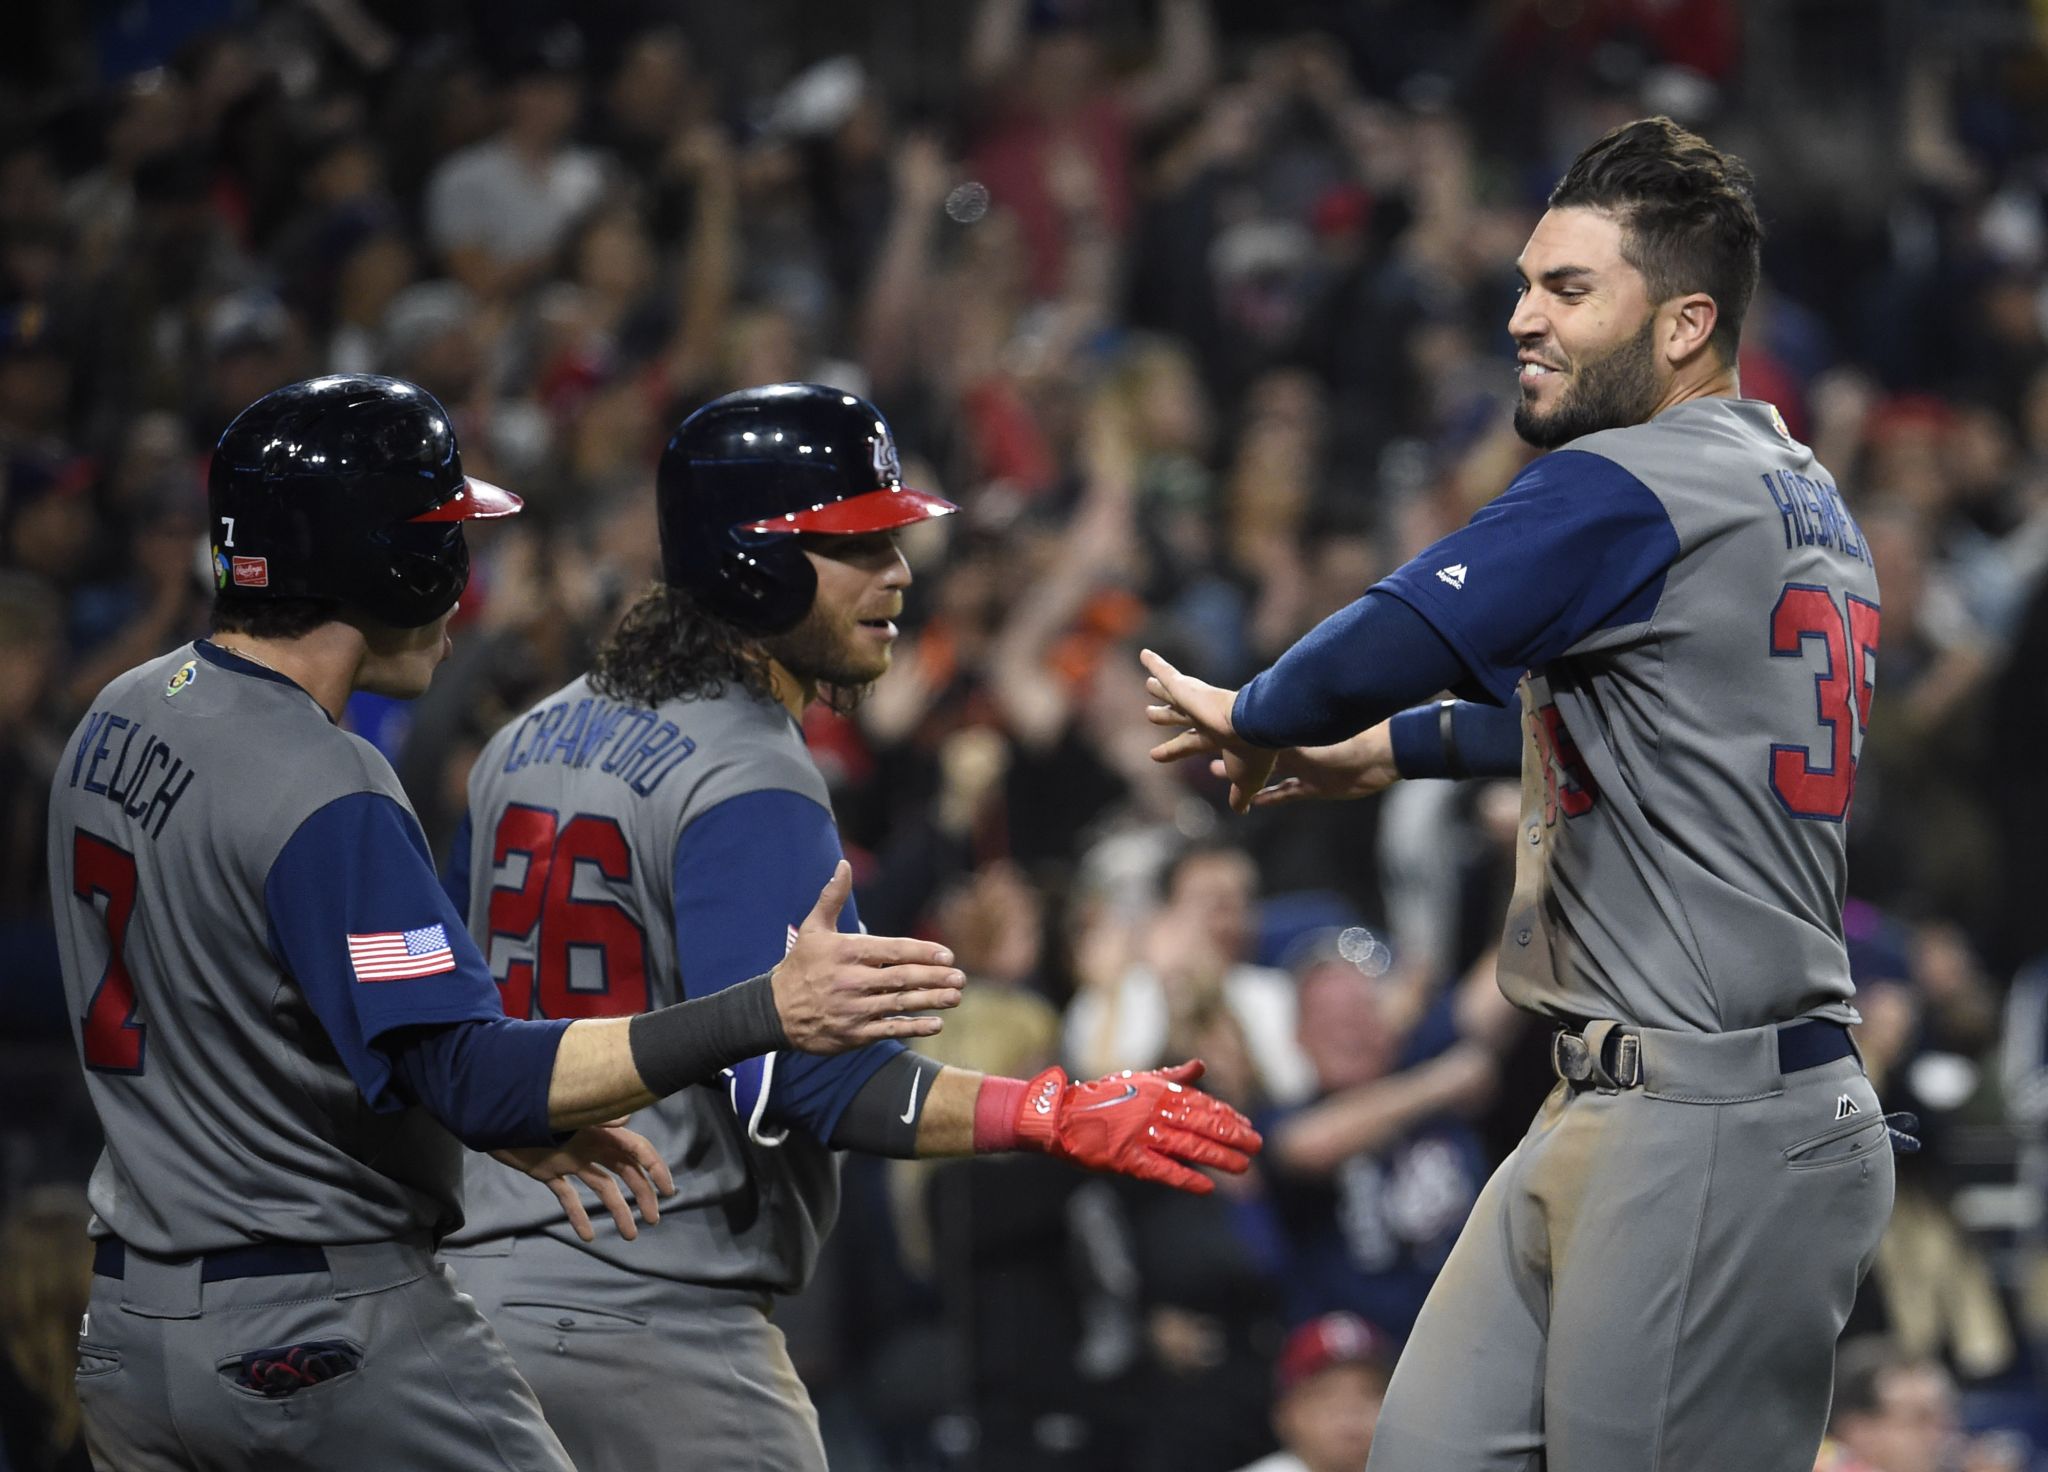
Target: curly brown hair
[{"x": 668, "y": 647}]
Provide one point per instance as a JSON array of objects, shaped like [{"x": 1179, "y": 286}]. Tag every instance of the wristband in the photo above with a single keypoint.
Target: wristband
[
  {"x": 995, "y": 1114},
  {"x": 1417, "y": 738},
  {"x": 1447, "y": 732},
  {"x": 674, "y": 1047}
]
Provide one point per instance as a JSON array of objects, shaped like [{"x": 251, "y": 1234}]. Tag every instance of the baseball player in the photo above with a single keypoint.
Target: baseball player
[
  {"x": 1656, "y": 1276},
  {"x": 664, "y": 808},
  {"x": 267, "y": 977}
]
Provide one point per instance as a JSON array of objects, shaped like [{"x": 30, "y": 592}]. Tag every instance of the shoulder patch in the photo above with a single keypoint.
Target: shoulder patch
[{"x": 186, "y": 674}]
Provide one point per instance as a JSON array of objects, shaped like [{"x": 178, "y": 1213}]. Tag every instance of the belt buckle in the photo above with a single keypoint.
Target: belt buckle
[{"x": 1570, "y": 1057}]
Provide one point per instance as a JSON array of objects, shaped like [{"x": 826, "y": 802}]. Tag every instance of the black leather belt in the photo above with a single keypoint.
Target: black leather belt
[
  {"x": 1807, "y": 1043},
  {"x": 257, "y": 1260}
]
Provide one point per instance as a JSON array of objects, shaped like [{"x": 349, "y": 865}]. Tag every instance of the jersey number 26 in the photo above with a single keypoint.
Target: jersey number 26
[{"x": 544, "y": 915}]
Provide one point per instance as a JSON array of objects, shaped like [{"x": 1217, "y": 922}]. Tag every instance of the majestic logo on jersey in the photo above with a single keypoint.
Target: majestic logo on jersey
[
  {"x": 1845, "y": 1106},
  {"x": 1454, "y": 575},
  {"x": 400, "y": 955},
  {"x": 250, "y": 572},
  {"x": 187, "y": 673}
]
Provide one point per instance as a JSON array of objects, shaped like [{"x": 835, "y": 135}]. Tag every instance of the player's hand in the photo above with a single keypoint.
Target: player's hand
[
  {"x": 1149, "y": 1125},
  {"x": 600, "y": 1156},
  {"x": 1202, "y": 712},
  {"x": 836, "y": 991},
  {"x": 1350, "y": 769}
]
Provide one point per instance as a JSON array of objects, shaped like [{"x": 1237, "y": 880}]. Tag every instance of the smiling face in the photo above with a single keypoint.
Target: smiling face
[
  {"x": 848, "y": 635},
  {"x": 1586, "y": 331}
]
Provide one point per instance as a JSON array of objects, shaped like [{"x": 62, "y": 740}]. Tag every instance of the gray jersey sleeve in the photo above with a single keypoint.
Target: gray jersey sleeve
[{"x": 228, "y": 1075}]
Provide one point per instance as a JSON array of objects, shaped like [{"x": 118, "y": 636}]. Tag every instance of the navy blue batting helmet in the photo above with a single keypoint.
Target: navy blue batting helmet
[
  {"x": 745, "y": 475},
  {"x": 347, "y": 489}
]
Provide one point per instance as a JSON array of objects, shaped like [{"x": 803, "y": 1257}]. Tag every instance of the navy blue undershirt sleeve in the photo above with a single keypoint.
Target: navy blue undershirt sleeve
[
  {"x": 487, "y": 1081},
  {"x": 455, "y": 873},
  {"x": 1350, "y": 672},
  {"x": 1488, "y": 741},
  {"x": 1576, "y": 545},
  {"x": 746, "y": 873},
  {"x": 359, "y": 867}
]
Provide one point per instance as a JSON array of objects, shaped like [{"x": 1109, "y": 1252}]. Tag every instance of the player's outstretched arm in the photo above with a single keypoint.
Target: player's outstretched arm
[
  {"x": 834, "y": 991},
  {"x": 1151, "y": 1125},
  {"x": 1360, "y": 767}
]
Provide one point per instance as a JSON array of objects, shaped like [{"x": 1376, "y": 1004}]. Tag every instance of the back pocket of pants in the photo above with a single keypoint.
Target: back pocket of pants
[
  {"x": 291, "y": 1372},
  {"x": 95, "y": 1360},
  {"x": 1846, "y": 1140},
  {"x": 573, "y": 1318}
]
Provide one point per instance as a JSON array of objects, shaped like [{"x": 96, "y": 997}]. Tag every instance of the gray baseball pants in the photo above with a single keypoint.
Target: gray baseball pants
[
  {"x": 636, "y": 1372},
  {"x": 1655, "y": 1279},
  {"x": 159, "y": 1354}
]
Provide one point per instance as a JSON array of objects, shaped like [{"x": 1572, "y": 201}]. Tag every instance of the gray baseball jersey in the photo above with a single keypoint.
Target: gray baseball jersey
[
  {"x": 619, "y": 858},
  {"x": 1657, "y": 1275},
  {"x": 244, "y": 906},
  {"x": 1697, "y": 616}
]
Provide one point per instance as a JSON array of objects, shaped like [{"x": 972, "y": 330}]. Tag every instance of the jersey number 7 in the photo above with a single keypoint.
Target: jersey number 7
[
  {"x": 1847, "y": 634},
  {"x": 112, "y": 1038},
  {"x": 544, "y": 914}
]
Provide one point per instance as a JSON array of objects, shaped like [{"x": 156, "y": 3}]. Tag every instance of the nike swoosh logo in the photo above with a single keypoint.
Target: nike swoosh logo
[
  {"x": 1130, "y": 1092},
  {"x": 909, "y": 1114}
]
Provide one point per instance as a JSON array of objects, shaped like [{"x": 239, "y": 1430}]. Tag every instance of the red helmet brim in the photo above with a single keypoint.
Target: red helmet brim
[
  {"x": 477, "y": 500},
  {"x": 876, "y": 511}
]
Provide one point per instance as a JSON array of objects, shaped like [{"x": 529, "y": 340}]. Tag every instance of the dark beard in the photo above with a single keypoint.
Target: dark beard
[
  {"x": 1617, "y": 389},
  {"x": 811, "y": 651}
]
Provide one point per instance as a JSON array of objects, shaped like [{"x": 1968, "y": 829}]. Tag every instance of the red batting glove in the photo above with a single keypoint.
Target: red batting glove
[{"x": 1137, "y": 1124}]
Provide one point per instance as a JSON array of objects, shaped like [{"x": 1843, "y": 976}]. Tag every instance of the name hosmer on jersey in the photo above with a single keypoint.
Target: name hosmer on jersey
[
  {"x": 636, "y": 745},
  {"x": 144, "y": 779},
  {"x": 1815, "y": 515}
]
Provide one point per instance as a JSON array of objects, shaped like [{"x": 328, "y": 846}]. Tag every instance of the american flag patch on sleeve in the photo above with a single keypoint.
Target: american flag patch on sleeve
[{"x": 399, "y": 955}]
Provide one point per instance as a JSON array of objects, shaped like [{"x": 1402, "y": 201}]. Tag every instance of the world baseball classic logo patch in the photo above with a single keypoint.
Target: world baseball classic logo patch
[{"x": 400, "y": 955}]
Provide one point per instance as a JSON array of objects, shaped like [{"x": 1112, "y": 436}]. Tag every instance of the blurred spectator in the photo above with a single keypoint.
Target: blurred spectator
[
  {"x": 1192, "y": 949},
  {"x": 498, "y": 210},
  {"x": 1371, "y": 1179},
  {"x": 1890, "y": 1414},
  {"x": 45, "y": 1282},
  {"x": 1327, "y": 1388},
  {"x": 31, "y": 647}
]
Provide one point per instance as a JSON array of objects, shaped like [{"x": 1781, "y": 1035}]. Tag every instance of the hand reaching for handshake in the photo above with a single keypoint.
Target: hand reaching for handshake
[{"x": 1149, "y": 1125}]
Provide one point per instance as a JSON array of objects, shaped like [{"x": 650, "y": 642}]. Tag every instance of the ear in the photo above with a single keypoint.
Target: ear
[{"x": 1689, "y": 325}]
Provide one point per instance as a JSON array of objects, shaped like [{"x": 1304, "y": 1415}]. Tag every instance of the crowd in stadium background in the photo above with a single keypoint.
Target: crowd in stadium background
[{"x": 1197, "y": 308}]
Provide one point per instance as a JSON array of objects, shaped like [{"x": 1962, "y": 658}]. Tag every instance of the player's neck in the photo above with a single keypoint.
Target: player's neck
[
  {"x": 792, "y": 692},
  {"x": 323, "y": 663},
  {"x": 1715, "y": 382}
]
